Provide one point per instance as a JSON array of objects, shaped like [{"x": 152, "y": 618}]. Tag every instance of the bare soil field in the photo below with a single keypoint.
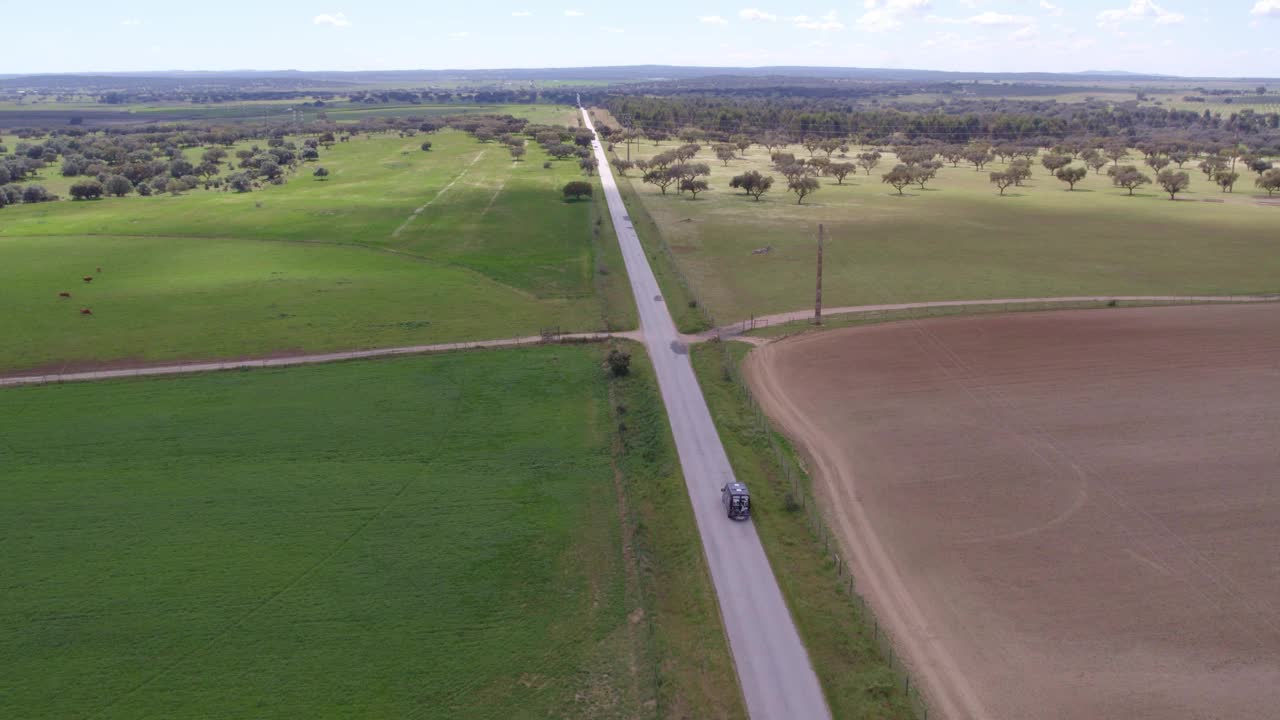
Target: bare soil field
[{"x": 1068, "y": 515}]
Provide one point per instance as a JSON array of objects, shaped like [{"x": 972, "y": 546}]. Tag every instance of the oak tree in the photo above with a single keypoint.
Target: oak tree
[
  {"x": 1128, "y": 177},
  {"x": 899, "y": 177},
  {"x": 1003, "y": 180},
  {"x": 1071, "y": 175},
  {"x": 1269, "y": 181},
  {"x": 576, "y": 189},
  {"x": 752, "y": 183},
  {"x": 803, "y": 186},
  {"x": 1173, "y": 181}
]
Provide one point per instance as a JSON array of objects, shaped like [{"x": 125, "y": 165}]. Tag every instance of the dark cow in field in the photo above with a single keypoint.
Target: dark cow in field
[
  {"x": 86, "y": 311},
  {"x": 64, "y": 294},
  {"x": 88, "y": 278}
]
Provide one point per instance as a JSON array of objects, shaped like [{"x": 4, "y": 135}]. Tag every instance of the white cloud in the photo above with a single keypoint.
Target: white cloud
[
  {"x": 953, "y": 42},
  {"x": 1139, "y": 10},
  {"x": 883, "y": 15},
  {"x": 754, "y": 14},
  {"x": 713, "y": 20},
  {"x": 522, "y": 13},
  {"x": 827, "y": 22},
  {"x": 460, "y": 34},
  {"x": 614, "y": 30},
  {"x": 334, "y": 20},
  {"x": 574, "y": 13},
  {"x": 995, "y": 18},
  {"x": 1025, "y": 34},
  {"x": 987, "y": 18},
  {"x": 1050, "y": 8},
  {"x": 1266, "y": 8},
  {"x": 131, "y": 22}
]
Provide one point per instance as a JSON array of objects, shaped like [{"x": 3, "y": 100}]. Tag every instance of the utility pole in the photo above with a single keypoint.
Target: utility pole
[
  {"x": 817, "y": 300},
  {"x": 627, "y": 131}
]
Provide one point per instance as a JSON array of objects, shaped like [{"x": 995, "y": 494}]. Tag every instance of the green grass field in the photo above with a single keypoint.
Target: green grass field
[
  {"x": 421, "y": 537},
  {"x": 959, "y": 239},
  {"x": 311, "y": 265},
  {"x": 277, "y": 110}
]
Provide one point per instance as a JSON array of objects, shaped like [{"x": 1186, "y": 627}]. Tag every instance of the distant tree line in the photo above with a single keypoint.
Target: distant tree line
[{"x": 1036, "y": 123}]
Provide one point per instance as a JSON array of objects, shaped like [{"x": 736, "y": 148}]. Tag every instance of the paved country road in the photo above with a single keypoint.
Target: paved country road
[{"x": 777, "y": 678}]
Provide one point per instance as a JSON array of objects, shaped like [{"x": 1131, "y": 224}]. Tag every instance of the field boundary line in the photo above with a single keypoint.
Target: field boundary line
[
  {"x": 443, "y": 190},
  {"x": 311, "y": 359}
]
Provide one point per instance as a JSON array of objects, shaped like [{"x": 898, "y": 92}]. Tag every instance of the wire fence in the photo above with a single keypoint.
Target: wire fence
[{"x": 801, "y": 497}]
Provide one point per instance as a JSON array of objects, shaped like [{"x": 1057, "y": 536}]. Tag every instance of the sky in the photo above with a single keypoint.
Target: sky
[{"x": 1176, "y": 37}]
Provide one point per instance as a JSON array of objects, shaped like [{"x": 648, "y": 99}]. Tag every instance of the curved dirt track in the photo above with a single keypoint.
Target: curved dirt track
[
  {"x": 950, "y": 695},
  {"x": 1065, "y": 515}
]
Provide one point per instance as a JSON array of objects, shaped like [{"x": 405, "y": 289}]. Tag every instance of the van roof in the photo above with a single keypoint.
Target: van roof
[{"x": 738, "y": 488}]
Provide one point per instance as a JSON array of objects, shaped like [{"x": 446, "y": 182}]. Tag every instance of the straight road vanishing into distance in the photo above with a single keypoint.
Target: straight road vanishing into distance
[{"x": 777, "y": 678}]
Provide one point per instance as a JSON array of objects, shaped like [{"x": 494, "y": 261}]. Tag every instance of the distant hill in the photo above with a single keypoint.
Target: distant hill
[
  {"x": 1117, "y": 74},
  {"x": 608, "y": 74}
]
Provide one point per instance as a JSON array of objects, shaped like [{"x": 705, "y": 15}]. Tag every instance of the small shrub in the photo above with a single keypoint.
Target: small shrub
[
  {"x": 577, "y": 190},
  {"x": 36, "y": 194},
  {"x": 789, "y": 502},
  {"x": 880, "y": 689},
  {"x": 86, "y": 190},
  {"x": 619, "y": 363},
  {"x": 546, "y": 165}
]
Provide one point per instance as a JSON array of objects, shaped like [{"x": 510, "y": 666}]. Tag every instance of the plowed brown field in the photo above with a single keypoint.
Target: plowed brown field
[{"x": 1068, "y": 515}]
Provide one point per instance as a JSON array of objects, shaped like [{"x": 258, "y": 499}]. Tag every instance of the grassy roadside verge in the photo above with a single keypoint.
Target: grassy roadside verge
[
  {"x": 686, "y": 309},
  {"x": 608, "y": 272},
  {"x": 859, "y": 679},
  {"x": 695, "y": 677}
]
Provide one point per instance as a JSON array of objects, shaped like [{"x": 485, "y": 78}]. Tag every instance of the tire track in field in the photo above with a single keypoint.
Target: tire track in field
[{"x": 443, "y": 190}]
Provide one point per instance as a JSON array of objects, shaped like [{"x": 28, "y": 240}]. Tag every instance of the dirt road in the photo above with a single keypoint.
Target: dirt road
[
  {"x": 794, "y": 316},
  {"x": 287, "y": 360},
  {"x": 1066, "y": 515},
  {"x": 774, "y": 671}
]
